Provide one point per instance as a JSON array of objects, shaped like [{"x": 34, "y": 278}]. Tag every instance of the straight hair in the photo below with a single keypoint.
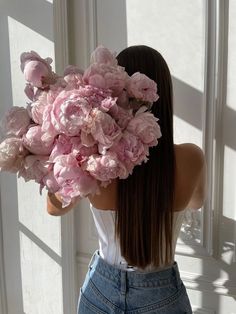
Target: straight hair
[{"x": 143, "y": 219}]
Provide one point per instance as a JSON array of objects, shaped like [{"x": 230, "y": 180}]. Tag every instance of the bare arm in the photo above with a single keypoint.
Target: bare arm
[
  {"x": 200, "y": 190},
  {"x": 54, "y": 205}
]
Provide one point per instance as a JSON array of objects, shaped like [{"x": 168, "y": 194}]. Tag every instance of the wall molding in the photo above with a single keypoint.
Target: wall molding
[
  {"x": 208, "y": 116},
  {"x": 3, "y": 299},
  {"x": 60, "y": 24},
  {"x": 68, "y": 250},
  {"x": 91, "y": 26},
  {"x": 197, "y": 310}
]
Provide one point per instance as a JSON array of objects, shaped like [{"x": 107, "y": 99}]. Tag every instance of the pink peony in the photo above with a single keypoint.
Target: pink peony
[
  {"x": 130, "y": 150},
  {"x": 106, "y": 168},
  {"x": 29, "y": 91},
  {"x": 16, "y": 121},
  {"x": 65, "y": 145},
  {"x": 37, "y": 108},
  {"x": 12, "y": 154},
  {"x": 122, "y": 117},
  {"x": 74, "y": 81},
  {"x": 37, "y": 71},
  {"x": 106, "y": 76},
  {"x": 80, "y": 130},
  {"x": 62, "y": 146},
  {"x": 73, "y": 180},
  {"x": 50, "y": 182},
  {"x": 142, "y": 87},
  {"x": 104, "y": 129},
  {"x": 69, "y": 113},
  {"x": 35, "y": 167},
  {"x": 73, "y": 76},
  {"x": 34, "y": 141},
  {"x": 87, "y": 139},
  {"x": 123, "y": 100},
  {"x": 47, "y": 126},
  {"x": 145, "y": 126},
  {"x": 39, "y": 169},
  {"x": 109, "y": 105},
  {"x": 103, "y": 55},
  {"x": 55, "y": 89},
  {"x": 94, "y": 95}
]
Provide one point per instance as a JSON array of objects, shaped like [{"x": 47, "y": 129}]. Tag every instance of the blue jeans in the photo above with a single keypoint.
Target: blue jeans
[{"x": 110, "y": 289}]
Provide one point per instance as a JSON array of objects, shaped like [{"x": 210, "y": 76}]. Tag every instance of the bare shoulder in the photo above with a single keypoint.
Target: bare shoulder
[{"x": 190, "y": 154}]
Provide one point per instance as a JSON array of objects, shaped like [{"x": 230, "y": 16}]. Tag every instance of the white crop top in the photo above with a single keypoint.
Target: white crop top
[{"x": 109, "y": 248}]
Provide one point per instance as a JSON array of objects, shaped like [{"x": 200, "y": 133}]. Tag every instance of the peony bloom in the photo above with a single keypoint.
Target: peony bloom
[
  {"x": 122, "y": 117},
  {"x": 35, "y": 167},
  {"x": 106, "y": 168},
  {"x": 69, "y": 113},
  {"x": 12, "y": 154},
  {"x": 80, "y": 130},
  {"x": 50, "y": 182},
  {"x": 87, "y": 139},
  {"x": 130, "y": 150},
  {"x": 55, "y": 90},
  {"x": 103, "y": 55},
  {"x": 109, "y": 105},
  {"x": 142, "y": 88},
  {"x": 37, "y": 71},
  {"x": 16, "y": 121},
  {"x": 106, "y": 76},
  {"x": 62, "y": 146},
  {"x": 94, "y": 95},
  {"x": 73, "y": 180},
  {"x": 123, "y": 100},
  {"x": 47, "y": 126},
  {"x": 104, "y": 129},
  {"x": 37, "y": 108},
  {"x": 29, "y": 91},
  {"x": 37, "y": 142},
  {"x": 145, "y": 126},
  {"x": 73, "y": 77},
  {"x": 39, "y": 169}
]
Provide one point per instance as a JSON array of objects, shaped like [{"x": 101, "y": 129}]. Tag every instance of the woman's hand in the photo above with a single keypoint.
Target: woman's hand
[{"x": 54, "y": 204}]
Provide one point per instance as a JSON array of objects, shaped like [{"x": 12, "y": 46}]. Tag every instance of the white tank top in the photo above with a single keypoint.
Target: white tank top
[{"x": 109, "y": 248}]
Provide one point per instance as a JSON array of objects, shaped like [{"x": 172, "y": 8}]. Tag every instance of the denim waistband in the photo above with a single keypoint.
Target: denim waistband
[{"x": 136, "y": 278}]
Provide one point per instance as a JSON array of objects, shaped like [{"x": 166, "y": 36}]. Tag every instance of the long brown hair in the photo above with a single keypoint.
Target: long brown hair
[{"x": 143, "y": 218}]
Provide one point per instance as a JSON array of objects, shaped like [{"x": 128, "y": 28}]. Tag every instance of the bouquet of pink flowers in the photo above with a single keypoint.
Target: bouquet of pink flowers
[{"x": 80, "y": 130}]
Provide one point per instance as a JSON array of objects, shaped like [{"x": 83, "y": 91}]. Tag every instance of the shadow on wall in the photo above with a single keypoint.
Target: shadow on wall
[
  {"x": 187, "y": 107},
  {"x": 36, "y": 16},
  {"x": 215, "y": 267}
]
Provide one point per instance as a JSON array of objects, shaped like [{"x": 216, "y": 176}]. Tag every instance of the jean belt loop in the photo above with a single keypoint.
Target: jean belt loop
[
  {"x": 177, "y": 276},
  {"x": 92, "y": 259}
]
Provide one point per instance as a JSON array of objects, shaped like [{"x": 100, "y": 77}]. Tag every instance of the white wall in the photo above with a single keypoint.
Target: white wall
[{"x": 31, "y": 238}]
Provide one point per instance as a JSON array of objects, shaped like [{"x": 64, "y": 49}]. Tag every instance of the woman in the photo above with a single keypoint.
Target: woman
[{"x": 138, "y": 219}]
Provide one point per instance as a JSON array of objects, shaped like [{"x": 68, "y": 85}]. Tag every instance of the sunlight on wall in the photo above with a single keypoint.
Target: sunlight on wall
[
  {"x": 228, "y": 185},
  {"x": 39, "y": 295},
  {"x": 40, "y": 233},
  {"x": 24, "y": 39},
  {"x": 189, "y": 134},
  {"x": 44, "y": 47},
  {"x": 177, "y": 31}
]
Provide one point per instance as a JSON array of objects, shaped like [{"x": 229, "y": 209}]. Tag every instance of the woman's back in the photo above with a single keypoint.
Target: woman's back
[{"x": 190, "y": 181}]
